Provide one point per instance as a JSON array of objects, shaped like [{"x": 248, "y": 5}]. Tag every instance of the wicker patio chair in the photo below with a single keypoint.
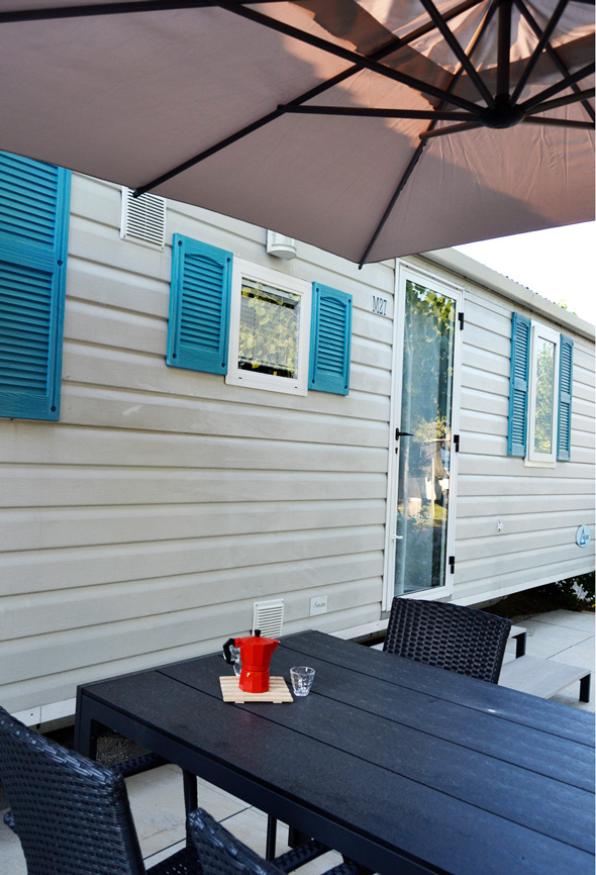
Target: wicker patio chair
[
  {"x": 460, "y": 639},
  {"x": 219, "y": 853},
  {"x": 73, "y": 818},
  {"x": 71, "y": 815}
]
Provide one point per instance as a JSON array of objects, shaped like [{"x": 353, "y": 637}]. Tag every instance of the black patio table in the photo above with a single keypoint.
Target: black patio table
[{"x": 402, "y": 767}]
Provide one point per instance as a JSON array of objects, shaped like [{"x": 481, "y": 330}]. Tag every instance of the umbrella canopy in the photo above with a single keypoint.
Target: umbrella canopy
[{"x": 371, "y": 128}]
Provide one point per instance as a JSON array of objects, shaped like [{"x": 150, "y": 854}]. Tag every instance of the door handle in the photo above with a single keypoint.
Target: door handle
[{"x": 399, "y": 433}]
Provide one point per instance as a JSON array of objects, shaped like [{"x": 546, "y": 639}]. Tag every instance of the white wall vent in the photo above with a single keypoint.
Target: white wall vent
[
  {"x": 143, "y": 219},
  {"x": 268, "y": 617}
]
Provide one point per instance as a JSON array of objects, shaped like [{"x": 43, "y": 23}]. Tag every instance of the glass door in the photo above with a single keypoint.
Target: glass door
[{"x": 424, "y": 436}]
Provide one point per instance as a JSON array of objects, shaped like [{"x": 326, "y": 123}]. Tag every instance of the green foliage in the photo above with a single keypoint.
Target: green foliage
[
  {"x": 577, "y": 593},
  {"x": 572, "y": 594}
]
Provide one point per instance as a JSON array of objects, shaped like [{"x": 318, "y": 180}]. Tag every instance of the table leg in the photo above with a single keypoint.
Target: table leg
[
  {"x": 191, "y": 799},
  {"x": 584, "y": 689},
  {"x": 296, "y": 838},
  {"x": 85, "y": 736},
  {"x": 271, "y": 837}
]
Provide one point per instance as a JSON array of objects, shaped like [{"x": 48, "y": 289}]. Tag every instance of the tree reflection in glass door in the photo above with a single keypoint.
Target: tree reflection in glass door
[{"x": 425, "y": 452}]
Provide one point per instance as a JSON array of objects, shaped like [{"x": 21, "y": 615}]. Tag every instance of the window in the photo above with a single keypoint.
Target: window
[
  {"x": 544, "y": 385},
  {"x": 269, "y": 330},
  {"x": 258, "y": 327},
  {"x": 540, "y": 393}
]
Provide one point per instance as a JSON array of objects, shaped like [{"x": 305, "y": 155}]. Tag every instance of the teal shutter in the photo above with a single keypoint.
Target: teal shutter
[
  {"x": 517, "y": 437},
  {"x": 34, "y": 213},
  {"x": 330, "y": 340},
  {"x": 565, "y": 396},
  {"x": 199, "y": 306}
]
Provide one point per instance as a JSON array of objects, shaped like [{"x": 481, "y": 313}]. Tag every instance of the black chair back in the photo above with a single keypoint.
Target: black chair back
[
  {"x": 454, "y": 637},
  {"x": 70, "y": 814},
  {"x": 220, "y": 853}
]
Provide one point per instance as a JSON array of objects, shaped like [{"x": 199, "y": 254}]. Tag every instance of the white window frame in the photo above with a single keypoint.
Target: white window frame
[
  {"x": 534, "y": 458},
  {"x": 239, "y": 377}
]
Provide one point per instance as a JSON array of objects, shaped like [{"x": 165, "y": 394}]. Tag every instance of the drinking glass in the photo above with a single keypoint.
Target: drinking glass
[
  {"x": 302, "y": 678},
  {"x": 236, "y": 664}
]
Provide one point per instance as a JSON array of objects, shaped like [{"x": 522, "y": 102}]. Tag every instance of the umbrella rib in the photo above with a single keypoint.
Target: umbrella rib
[
  {"x": 553, "y": 54},
  {"x": 457, "y": 50},
  {"x": 504, "y": 48},
  {"x": 262, "y": 121},
  {"x": 563, "y": 101},
  {"x": 558, "y": 122},
  {"x": 347, "y": 54},
  {"x": 450, "y": 129},
  {"x": 558, "y": 86},
  {"x": 539, "y": 48},
  {"x": 100, "y": 9},
  {"x": 392, "y": 46},
  {"x": 422, "y": 144},
  {"x": 369, "y": 112}
]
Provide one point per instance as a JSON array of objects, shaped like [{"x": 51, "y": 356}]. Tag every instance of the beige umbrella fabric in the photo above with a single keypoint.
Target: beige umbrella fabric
[{"x": 263, "y": 111}]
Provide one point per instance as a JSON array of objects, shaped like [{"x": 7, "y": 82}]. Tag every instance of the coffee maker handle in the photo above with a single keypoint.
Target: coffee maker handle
[{"x": 227, "y": 651}]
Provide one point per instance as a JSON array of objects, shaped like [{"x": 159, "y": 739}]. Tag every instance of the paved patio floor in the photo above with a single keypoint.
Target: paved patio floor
[{"x": 156, "y": 797}]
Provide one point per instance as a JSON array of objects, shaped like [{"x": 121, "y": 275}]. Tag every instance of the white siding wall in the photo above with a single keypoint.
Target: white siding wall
[
  {"x": 141, "y": 528},
  {"x": 540, "y": 508}
]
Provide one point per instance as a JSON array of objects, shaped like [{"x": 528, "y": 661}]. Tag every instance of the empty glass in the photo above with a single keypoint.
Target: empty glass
[
  {"x": 302, "y": 677},
  {"x": 236, "y": 664}
]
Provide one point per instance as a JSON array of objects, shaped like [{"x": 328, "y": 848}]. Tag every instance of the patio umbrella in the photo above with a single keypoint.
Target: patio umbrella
[{"x": 371, "y": 128}]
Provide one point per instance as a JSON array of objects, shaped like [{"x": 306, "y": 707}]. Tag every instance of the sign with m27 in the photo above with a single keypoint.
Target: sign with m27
[{"x": 379, "y": 305}]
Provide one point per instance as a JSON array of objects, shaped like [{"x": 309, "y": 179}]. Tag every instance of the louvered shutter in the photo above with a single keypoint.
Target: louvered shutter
[
  {"x": 34, "y": 212},
  {"x": 565, "y": 396},
  {"x": 517, "y": 437},
  {"x": 199, "y": 306},
  {"x": 330, "y": 340}
]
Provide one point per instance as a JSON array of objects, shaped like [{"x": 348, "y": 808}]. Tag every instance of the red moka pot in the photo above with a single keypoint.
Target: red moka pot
[{"x": 255, "y": 659}]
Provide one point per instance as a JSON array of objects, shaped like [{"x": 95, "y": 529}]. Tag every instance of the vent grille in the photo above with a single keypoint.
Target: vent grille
[
  {"x": 143, "y": 219},
  {"x": 268, "y": 617}
]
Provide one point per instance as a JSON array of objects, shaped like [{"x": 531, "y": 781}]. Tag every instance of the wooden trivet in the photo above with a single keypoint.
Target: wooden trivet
[{"x": 278, "y": 691}]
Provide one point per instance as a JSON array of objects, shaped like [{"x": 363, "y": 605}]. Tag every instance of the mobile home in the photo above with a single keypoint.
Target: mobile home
[{"x": 193, "y": 429}]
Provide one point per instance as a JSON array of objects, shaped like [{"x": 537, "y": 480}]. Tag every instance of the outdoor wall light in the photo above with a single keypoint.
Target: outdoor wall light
[{"x": 280, "y": 246}]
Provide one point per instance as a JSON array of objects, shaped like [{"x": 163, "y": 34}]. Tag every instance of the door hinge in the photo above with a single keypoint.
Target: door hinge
[
  {"x": 452, "y": 565},
  {"x": 456, "y": 442},
  {"x": 460, "y": 316}
]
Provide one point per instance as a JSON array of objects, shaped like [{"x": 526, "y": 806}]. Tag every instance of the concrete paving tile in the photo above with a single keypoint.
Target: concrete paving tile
[
  {"x": 581, "y": 620},
  {"x": 12, "y": 859},
  {"x": 154, "y": 859},
  {"x": 157, "y": 803},
  {"x": 545, "y": 639},
  {"x": 250, "y": 826},
  {"x": 581, "y": 654}
]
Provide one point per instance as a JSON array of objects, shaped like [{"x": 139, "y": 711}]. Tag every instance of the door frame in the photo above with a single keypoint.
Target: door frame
[{"x": 438, "y": 282}]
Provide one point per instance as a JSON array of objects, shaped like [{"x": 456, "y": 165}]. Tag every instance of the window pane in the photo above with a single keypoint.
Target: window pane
[
  {"x": 269, "y": 327},
  {"x": 545, "y": 386},
  {"x": 425, "y": 445}
]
